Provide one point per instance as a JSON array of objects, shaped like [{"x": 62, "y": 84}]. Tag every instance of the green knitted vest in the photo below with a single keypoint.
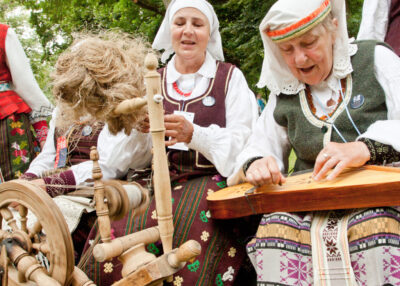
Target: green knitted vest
[{"x": 305, "y": 131}]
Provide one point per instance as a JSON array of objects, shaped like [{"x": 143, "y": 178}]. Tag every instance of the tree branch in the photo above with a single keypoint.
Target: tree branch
[{"x": 148, "y": 6}]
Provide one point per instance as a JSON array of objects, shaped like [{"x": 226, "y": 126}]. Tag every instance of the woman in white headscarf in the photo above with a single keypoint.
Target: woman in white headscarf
[
  {"x": 337, "y": 105},
  {"x": 210, "y": 112}
]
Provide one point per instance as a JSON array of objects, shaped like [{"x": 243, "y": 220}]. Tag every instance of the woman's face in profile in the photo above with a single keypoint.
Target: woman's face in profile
[
  {"x": 190, "y": 33},
  {"x": 310, "y": 56}
]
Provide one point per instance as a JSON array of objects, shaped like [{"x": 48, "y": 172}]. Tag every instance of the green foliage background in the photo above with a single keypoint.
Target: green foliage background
[{"x": 58, "y": 19}]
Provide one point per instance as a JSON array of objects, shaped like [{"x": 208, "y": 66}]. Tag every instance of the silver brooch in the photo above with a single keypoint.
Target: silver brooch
[
  {"x": 208, "y": 101},
  {"x": 87, "y": 130}
]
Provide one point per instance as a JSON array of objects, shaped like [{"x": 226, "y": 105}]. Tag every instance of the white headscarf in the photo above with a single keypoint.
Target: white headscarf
[
  {"x": 163, "y": 37},
  {"x": 275, "y": 73}
]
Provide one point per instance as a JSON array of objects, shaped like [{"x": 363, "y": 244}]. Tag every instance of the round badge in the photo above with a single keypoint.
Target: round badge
[
  {"x": 87, "y": 130},
  {"x": 357, "y": 101},
  {"x": 208, "y": 101}
]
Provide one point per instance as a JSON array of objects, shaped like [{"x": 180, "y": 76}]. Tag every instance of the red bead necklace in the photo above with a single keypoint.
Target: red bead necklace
[
  {"x": 329, "y": 103},
  {"x": 185, "y": 94}
]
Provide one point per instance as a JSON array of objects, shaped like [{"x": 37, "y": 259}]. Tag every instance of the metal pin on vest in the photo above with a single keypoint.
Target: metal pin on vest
[
  {"x": 357, "y": 101},
  {"x": 208, "y": 101}
]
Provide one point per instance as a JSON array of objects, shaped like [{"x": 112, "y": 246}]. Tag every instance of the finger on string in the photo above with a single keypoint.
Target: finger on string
[
  {"x": 329, "y": 165},
  {"x": 319, "y": 162},
  {"x": 254, "y": 178},
  {"x": 264, "y": 176},
  {"x": 336, "y": 171},
  {"x": 275, "y": 173},
  {"x": 282, "y": 180}
]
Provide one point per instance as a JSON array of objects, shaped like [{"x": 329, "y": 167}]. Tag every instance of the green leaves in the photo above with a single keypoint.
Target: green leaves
[{"x": 55, "y": 21}]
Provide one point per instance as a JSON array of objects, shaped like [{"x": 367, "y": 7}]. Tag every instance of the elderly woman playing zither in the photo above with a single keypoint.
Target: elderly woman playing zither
[
  {"x": 337, "y": 105},
  {"x": 209, "y": 112}
]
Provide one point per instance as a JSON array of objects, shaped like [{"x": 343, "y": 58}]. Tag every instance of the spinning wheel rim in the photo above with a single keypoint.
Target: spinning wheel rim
[{"x": 46, "y": 211}]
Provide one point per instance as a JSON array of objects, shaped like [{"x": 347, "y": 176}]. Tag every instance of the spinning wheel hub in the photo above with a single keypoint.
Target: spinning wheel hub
[
  {"x": 48, "y": 233},
  {"x": 22, "y": 239}
]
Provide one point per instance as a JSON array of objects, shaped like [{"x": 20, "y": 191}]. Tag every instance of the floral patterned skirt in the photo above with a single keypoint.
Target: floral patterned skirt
[
  {"x": 17, "y": 145},
  {"x": 281, "y": 252},
  {"x": 222, "y": 242}
]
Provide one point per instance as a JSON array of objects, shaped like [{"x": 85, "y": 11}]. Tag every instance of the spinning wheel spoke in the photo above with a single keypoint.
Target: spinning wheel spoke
[
  {"x": 23, "y": 211},
  {"x": 35, "y": 230},
  {"x": 4, "y": 266},
  {"x": 9, "y": 218}
]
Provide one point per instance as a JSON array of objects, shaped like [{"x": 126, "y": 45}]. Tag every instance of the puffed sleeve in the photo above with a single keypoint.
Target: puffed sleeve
[
  {"x": 374, "y": 22},
  {"x": 117, "y": 153},
  {"x": 267, "y": 139},
  {"x": 23, "y": 79},
  {"x": 387, "y": 70},
  {"x": 221, "y": 145}
]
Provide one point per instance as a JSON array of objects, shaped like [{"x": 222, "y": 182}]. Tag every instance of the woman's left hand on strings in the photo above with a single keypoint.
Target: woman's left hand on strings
[
  {"x": 178, "y": 128},
  {"x": 338, "y": 156}
]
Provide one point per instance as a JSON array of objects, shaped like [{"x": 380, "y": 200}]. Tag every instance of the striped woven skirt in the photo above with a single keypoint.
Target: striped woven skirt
[
  {"x": 17, "y": 145},
  {"x": 347, "y": 247},
  {"x": 223, "y": 242}
]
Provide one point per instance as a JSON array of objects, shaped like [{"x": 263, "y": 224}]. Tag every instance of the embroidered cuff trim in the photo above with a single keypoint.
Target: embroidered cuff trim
[
  {"x": 381, "y": 154},
  {"x": 250, "y": 161},
  {"x": 65, "y": 180}
]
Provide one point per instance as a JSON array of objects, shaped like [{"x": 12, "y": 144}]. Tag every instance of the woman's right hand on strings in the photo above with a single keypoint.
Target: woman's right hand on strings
[{"x": 264, "y": 171}]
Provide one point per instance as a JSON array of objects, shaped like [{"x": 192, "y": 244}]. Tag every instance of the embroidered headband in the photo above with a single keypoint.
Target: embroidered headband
[{"x": 302, "y": 26}]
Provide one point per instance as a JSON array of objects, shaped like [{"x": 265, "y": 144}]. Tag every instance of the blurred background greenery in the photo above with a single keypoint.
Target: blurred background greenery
[{"x": 45, "y": 27}]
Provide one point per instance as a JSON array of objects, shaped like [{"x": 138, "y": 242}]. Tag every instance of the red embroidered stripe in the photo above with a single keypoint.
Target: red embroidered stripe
[{"x": 298, "y": 26}]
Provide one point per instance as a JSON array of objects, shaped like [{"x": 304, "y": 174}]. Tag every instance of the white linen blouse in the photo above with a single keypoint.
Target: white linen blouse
[
  {"x": 219, "y": 145},
  {"x": 114, "y": 155},
  {"x": 271, "y": 139},
  {"x": 375, "y": 19},
  {"x": 23, "y": 80}
]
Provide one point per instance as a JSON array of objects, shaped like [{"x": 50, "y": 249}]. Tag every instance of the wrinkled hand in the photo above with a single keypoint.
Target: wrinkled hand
[
  {"x": 338, "y": 156},
  {"x": 264, "y": 171},
  {"x": 178, "y": 128}
]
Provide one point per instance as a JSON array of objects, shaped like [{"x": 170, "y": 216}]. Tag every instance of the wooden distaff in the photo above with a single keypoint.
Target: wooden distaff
[
  {"x": 162, "y": 183},
  {"x": 368, "y": 186}
]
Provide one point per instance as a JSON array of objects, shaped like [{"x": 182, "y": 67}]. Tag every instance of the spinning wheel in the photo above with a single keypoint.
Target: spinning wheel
[{"x": 48, "y": 235}]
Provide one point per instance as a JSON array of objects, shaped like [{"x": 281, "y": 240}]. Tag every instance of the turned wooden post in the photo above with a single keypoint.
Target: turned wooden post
[
  {"x": 101, "y": 206},
  {"x": 105, "y": 251},
  {"x": 162, "y": 183}
]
